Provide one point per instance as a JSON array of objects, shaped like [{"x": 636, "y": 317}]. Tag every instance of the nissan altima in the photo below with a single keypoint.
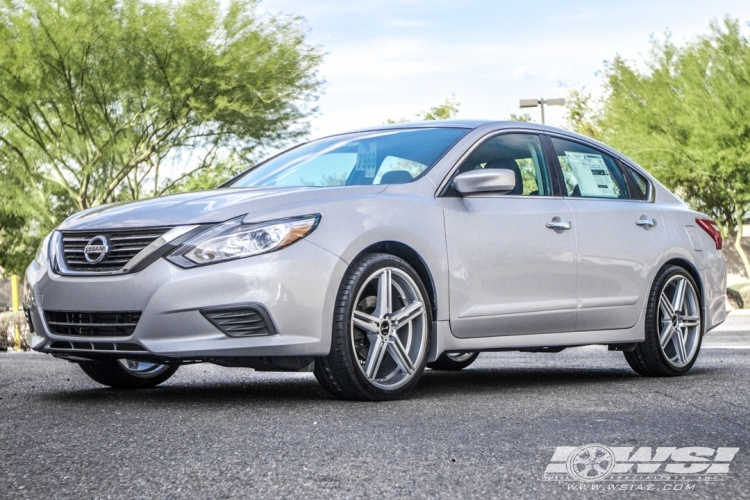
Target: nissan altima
[{"x": 367, "y": 256}]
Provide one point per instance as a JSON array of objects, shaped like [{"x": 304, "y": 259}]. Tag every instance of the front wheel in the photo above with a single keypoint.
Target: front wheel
[
  {"x": 673, "y": 327},
  {"x": 381, "y": 331},
  {"x": 453, "y": 361},
  {"x": 128, "y": 373}
]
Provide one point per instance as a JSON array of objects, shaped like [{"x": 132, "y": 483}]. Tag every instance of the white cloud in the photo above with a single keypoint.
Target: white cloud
[{"x": 520, "y": 72}]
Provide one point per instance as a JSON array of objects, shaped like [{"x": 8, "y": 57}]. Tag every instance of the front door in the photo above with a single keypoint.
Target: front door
[{"x": 512, "y": 262}]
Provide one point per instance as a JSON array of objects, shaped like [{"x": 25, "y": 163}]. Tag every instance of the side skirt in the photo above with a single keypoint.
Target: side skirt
[{"x": 444, "y": 341}]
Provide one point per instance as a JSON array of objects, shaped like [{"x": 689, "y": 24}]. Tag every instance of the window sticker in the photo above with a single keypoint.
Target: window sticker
[
  {"x": 594, "y": 179},
  {"x": 367, "y": 154}
]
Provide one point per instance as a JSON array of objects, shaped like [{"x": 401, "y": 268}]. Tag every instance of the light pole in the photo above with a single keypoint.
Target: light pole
[{"x": 533, "y": 103}]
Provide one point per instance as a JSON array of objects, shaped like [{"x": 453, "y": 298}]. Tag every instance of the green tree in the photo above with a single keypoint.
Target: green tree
[
  {"x": 98, "y": 96},
  {"x": 580, "y": 113},
  {"x": 445, "y": 111},
  {"x": 24, "y": 217},
  {"x": 687, "y": 119}
]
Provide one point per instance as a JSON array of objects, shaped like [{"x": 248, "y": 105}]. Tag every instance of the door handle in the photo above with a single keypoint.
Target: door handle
[
  {"x": 645, "y": 222},
  {"x": 559, "y": 224}
]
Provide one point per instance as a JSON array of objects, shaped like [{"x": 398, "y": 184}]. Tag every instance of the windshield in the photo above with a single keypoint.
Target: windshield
[{"x": 382, "y": 157}]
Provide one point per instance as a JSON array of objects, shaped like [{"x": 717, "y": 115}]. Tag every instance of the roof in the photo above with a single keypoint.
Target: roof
[{"x": 469, "y": 124}]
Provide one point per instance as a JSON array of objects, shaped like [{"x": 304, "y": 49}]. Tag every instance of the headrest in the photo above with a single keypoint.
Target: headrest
[
  {"x": 396, "y": 177},
  {"x": 510, "y": 164}
]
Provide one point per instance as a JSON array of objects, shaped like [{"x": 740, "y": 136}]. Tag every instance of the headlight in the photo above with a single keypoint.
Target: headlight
[
  {"x": 235, "y": 240},
  {"x": 42, "y": 252}
]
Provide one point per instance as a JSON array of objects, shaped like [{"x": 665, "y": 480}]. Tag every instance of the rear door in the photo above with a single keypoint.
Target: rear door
[{"x": 619, "y": 236}]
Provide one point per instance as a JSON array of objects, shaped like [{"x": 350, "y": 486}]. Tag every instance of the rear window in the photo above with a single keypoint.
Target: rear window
[
  {"x": 589, "y": 173},
  {"x": 381, "y": 157}
]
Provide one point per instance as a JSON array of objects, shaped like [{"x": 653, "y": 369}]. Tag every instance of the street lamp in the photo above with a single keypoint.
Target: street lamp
[{"x": 533, "y": 103}]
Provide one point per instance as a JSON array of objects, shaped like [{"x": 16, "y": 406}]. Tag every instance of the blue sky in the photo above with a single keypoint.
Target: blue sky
[{"x": 395, "y": 58}]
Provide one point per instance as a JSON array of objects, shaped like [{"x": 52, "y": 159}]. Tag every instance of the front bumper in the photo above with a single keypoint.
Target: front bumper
[{"x": 296, "y": 285}]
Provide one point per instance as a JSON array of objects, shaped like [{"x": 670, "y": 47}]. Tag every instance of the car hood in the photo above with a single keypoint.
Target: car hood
[{"x": 202, "y": 207}]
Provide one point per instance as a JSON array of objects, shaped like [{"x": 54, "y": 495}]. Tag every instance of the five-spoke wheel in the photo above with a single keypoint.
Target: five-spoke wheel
[
  {"x": 673, "y": 326},
  {"x": 381, "y": 331},
  {"x": 388, "y": 343},
  {"x": 679, "y": 321}
]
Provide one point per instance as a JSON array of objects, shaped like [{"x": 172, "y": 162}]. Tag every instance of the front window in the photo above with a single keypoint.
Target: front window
[
  {"x": 521, "y": 153},
  {"x": 381, "y": 157}
]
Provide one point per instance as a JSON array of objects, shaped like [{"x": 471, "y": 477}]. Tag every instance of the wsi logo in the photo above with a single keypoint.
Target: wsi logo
[
  {"x": 597, "y": 462},
  {"x": 590, "y": 463}
]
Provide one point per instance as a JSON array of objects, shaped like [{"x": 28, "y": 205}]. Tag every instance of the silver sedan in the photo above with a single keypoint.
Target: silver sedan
[{"x": 365, "y": 257}]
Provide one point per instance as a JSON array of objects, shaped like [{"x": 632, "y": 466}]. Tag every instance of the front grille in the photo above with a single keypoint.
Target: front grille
[
  {"x": 92, "y": 324},
  {"x": 241, "y": 320},
  {"x": 123, "y": 246}
]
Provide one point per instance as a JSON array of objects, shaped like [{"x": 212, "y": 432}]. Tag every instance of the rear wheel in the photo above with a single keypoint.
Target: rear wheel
[
  {"x": 453, "y": 361},
  {"x": 673, "y": 327},
  {"x": 128, "y": 373},
  {"x": 381, "y": 332}
]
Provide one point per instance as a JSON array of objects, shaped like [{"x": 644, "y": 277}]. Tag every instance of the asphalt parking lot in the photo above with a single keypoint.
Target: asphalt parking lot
[{"x": 487, "y": 432}]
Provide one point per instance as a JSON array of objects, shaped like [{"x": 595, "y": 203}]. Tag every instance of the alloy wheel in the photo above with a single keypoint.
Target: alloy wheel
[
  {"x": 389, "y": 328},
  {"x": 679, "y": 321},
  {"x": 460, "y": 357},
  {"x": 142, "y": 369}
]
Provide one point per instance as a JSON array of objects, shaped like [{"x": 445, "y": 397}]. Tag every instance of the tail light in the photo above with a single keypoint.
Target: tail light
[{"x": 712, "y": 229}]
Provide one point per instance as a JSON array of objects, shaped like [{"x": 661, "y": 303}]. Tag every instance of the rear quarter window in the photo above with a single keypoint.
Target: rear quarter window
[{"x": 640, "y": 182}]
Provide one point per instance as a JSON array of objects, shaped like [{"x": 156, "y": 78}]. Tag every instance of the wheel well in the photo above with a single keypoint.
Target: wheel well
[
  {"x": 413, "y": 259},
  {"x": 692, "y": 271}
]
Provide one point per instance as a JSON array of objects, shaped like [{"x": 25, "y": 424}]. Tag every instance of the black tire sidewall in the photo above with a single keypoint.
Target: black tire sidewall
[
  {"x": 446, "y": 363},
  {"x": 112, "y": 374}
]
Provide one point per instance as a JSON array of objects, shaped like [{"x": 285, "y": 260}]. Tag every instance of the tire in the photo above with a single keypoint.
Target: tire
[
  {"x": 453, "y": 361},
  {"x": 326, "y": 381},
  {"x": 673, "y": 314},
  {"x": 127, "y": 374},
  {"x": 380, "y": 353}
]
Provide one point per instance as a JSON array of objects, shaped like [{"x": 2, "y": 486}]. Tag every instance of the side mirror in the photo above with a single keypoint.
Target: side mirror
[{"x": 491, "y": 180}]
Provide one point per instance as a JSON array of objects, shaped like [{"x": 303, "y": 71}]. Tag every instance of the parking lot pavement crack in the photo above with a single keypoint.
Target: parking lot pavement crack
[
  {"x": 692, "y": 405},
  {"x": 742, "y": 407}
]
